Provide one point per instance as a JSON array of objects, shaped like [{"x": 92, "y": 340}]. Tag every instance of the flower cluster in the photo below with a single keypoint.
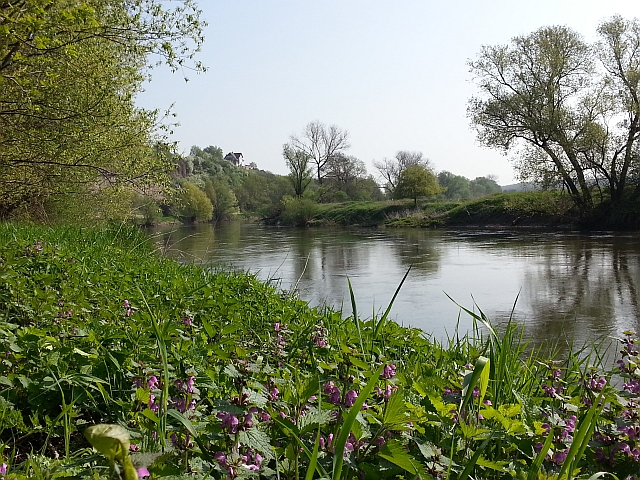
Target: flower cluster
[
  {"x": 319, "y": 336},
  {"x": 128, "y": 308},
  {"x": 238, "y": 463}
]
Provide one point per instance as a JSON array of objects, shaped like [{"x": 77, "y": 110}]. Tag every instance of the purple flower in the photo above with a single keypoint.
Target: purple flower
[
  {"x": 229, "y": 421},
  {"x": 143, "y": 472},
  {"x": 333, "y": 392},
  {"x": 153, "y": 382},
  {"x": 187, "y": 321},
  {"x": 350, "y": 398},
  {"x": 154, "y": 407},
  {"x": 276, "y": 326},
  {"x": 126, "y": 304},
  {"x": 221, "y": 458},
  {"x": 389, "y": 371}
]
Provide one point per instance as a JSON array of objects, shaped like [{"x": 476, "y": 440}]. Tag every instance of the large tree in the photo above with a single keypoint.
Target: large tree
[
  {"x": 69, "y": 72},
  {"x": 569, "y": 110},
  {"x": 417, "y": 181},
  {"x": 299, "y": 169},
  {"x": 321, "y": 143},
  {"x": 391, "y": 168}
]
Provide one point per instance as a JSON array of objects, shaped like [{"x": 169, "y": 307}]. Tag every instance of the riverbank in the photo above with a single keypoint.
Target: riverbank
[
  {"x": 538, "y": 209},
  {"x": 229, "y": 376}
]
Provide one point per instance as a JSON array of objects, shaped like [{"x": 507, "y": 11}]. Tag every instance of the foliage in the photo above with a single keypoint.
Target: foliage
[
  {"x": 201, "y": 373},
  {"x": 298, "y": 211},
  {"x": 69, "y": 71},
  {"x": 570, "y": 110},
  {"x": 193, "y": 204},
  {"x": 416, "y": 181},
  {"x": 300, "y": 171},
  {"x": 320, "y": 143},
  {"x": 391, "y": 168},
  {"x": 459, "y": 187},
  {"x": 224, "y": 201}
]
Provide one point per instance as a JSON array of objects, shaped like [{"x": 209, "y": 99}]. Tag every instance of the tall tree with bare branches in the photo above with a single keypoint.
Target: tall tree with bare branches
[{"x": 321, "y": 143}]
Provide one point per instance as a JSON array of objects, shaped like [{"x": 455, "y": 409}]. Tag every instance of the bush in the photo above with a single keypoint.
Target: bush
[
  {"x": 298, "y": 211},
  {"x": 193, "y": 204}
]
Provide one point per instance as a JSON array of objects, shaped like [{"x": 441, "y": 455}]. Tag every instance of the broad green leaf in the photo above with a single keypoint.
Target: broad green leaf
[{"x": 394, "y": 452}]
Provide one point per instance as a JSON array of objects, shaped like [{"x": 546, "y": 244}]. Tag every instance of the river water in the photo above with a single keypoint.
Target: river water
[{"x": 569, "y": 287}]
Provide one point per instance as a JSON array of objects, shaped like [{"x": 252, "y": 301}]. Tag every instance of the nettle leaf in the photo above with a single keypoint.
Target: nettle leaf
[
  {"x": 232, "y": 371},
  {"x": 497, "y": 466},
  {"x": 394, "y": 452},
  {"x": 314, "y": 417},
  {"x": 396, "y": 415},
  {"x": 429, "y": 450},
  {"x": 255, "y": 398},
  {"x": 258, "y": 440}
]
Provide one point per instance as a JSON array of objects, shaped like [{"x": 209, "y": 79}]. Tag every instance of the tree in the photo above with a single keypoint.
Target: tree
[
  {"x": 321, "y": 143},
  {"x": 344, "y": 173},
  {"x": 224, "y": 201},
  {"x": 299, "y": 168},
  {"x": 69, "y": 71},
  {"x": 391, "y": 168},
  {"x": 457, "y": 187},
  {"x": 193, "y": 204},
  {"x": 482, "y": 186},
  {"x": 569, "y": 110},
  {"x": 416, "y": 181}
]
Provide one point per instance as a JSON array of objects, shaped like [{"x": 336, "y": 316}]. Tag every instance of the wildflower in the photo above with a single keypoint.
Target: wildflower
[
  {"x": 229, "y": 421},
  {"x": 276, "y": 326},
  {"x": 190, "y": 384},
  {"x": 153, "y": 382},
  {"x": 389, "y": 371},
  {"x": 143, "y": 472},
  {"x": 154, "y": 407},
  {"x": 273, "y": 394},
  {"x": 187, "y": 321},
  {"x": 3, "y": 470},
  {"x": 265, "y": 417},
  {"x": 333, "y": 392},
  {"x": 350, "y": 398}
]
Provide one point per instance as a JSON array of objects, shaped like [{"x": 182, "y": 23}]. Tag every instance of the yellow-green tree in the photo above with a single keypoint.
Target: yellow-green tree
[
  {"x": 193, "y": 204},
  {"x": 69, "y": 72},
  {"x": 416, "y": 181}
]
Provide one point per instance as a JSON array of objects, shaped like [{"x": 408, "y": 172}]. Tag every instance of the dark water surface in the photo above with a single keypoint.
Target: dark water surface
[{"x": 569, "y": 286}]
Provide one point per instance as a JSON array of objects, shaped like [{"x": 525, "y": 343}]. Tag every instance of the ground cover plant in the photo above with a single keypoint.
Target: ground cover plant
[{"x": 119, "y": 363}]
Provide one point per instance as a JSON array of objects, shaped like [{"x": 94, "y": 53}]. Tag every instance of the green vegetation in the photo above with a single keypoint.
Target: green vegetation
[
  {"x": 173, "y": 371},
  {"x": 72, "y": 142},
  {"x": 568, "y": 109}
]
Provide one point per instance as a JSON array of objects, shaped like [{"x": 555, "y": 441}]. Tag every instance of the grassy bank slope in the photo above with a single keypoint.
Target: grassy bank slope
[{"x": 218, "y": 375}]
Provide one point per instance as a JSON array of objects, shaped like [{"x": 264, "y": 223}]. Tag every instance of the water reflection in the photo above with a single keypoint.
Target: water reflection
[{"x": 568, "y": 286}]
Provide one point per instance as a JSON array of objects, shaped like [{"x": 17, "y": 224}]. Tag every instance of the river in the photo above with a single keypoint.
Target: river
[{"x": 569, "y": 287}]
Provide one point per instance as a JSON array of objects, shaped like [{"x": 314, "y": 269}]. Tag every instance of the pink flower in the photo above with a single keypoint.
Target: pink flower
[
  {"x": 389, "y": 371},
  {"x": 350, "y": 398},
  {"x": 143, "y": 472},
  {"x": 153, "y": 382}
]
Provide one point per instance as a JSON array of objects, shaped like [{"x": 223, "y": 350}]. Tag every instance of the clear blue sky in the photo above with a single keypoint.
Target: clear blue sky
[{"x": 392, "y": 73}]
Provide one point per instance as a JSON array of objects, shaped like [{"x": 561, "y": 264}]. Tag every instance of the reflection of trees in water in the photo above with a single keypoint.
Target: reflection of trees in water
[
  {"x": 416, "y": 248},
  {"x": 583, "y": 291}
]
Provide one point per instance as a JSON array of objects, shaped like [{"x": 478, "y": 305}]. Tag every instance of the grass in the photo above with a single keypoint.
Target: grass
[
  {"x": 506, "y": 209},
  {"x": 217, "y": 375}
]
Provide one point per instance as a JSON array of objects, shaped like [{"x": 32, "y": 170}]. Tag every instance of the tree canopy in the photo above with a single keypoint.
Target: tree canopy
[
  {"x": 69, "y": 72},
  {"x": 416, "y": 181},
  {"x": 569, "y": 110}
]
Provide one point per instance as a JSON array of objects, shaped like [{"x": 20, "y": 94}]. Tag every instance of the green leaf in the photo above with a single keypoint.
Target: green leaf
[
  {"x": 109, "y": 440},
  {"x": 258, "y": 440},
  {"x": 394, "y": 452},
  {"x": 395, "y": 413}
]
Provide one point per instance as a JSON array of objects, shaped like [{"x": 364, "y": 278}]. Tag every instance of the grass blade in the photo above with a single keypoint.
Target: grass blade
[{"x": 338, "y": 458}]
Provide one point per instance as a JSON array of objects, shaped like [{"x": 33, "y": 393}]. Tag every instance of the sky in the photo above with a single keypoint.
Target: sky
[{"x": 393, "y": 74}]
